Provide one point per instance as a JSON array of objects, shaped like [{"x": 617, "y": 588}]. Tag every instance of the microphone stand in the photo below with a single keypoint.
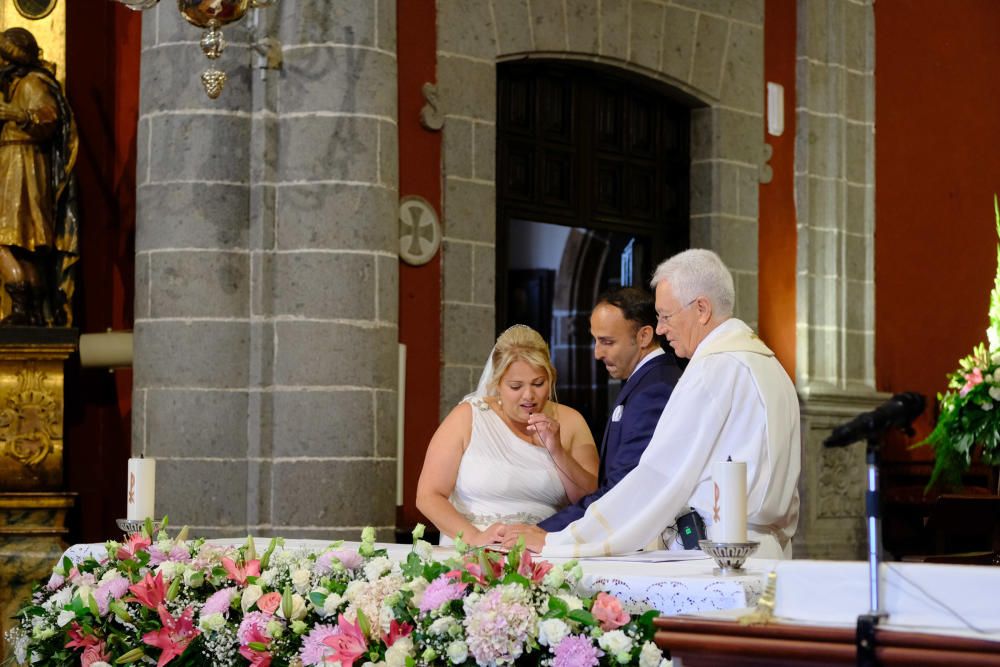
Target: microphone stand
[{"x": 865, "y": 632}]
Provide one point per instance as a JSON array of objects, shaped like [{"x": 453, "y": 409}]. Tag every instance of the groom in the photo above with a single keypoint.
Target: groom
[{"x": 623, "y": 325}]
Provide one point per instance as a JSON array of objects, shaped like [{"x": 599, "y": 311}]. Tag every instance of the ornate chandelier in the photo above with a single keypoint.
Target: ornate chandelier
[{"x": 211, "y": 15}]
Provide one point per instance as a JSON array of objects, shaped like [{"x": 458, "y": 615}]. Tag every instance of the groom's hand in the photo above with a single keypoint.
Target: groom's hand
[{"x": 534, "y": 537}]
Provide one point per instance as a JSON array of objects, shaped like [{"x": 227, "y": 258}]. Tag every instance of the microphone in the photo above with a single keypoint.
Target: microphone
[{"x": 899, "y": 411}]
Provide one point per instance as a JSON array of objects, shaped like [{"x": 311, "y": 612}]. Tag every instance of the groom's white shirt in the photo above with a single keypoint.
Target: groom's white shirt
[{"x": 733, "y": 400}]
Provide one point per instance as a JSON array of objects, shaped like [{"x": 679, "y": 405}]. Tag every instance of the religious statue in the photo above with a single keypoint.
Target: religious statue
[{"x": 38, "y": 223}]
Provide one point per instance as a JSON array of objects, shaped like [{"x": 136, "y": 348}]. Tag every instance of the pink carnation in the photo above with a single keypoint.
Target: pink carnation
[
  {"x": 351, "y": 560},
  {"x": 254, "y": 621},
  {"x": 112, "y": 589},
  {"x": 219, "y": 602},
  {"x": 440, "y": 591},
  {"x": 314, "y": 650},
  {"x": 577, "y": 651}
]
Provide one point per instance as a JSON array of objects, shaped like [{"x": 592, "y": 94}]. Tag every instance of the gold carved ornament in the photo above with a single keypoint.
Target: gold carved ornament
[{"x": 30, "y": 420}]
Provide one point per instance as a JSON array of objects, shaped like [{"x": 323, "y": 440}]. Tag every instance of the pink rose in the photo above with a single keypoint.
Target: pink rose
[
  {"x": 608, "y": 612},
  {"x": 92, "y": 654},
  {"x": 269, "y": 603}
]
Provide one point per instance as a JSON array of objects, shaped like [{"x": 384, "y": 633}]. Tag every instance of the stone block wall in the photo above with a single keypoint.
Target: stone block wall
[{"x": 266, "y": 264}]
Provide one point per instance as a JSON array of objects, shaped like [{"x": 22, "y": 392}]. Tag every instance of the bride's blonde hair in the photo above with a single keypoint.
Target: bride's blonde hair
[{"x": 521, "y": 343}]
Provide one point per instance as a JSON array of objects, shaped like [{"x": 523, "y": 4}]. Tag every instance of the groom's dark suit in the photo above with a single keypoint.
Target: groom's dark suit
[{"x": 642, "y": 399}]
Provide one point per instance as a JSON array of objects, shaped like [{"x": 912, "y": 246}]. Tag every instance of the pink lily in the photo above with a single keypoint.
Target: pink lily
[
  {"x": 175, "y": 635},
  {"x": 534, "y": 570},
  {"x": 79, "y": 640},
  {"x": 150, "y": 592},
  {"x": 347, "y": 646},
  {"x": 396, "y": 631},
  {"x": 240, "y": 573},
  {"x": 136, "y": 542},
  {"x": 971, "y": 380},
  {"x": 257, "y": 658}
]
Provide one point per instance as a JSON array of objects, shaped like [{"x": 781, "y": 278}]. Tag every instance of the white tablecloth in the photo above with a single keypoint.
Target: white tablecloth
[{"x": 682, "y": 587}]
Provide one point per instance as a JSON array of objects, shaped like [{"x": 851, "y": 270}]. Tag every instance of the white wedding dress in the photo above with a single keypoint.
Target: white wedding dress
[{"x": 502, "y": 478}]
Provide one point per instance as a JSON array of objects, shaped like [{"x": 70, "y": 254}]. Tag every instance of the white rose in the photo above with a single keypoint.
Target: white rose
[
  {"x": 424, "y": 550},
  {"x": 401, "y": 649},
  {"x": 193, "y": 578},
  {"x": 377, "y": 567},
  {"x": 298, "y": 610},
  {"x": 617, "y": 643},
  {"x": 650, "y": 656},
  {"x": 458, "y": 652},
  {"x": 417, "y": 586},
  {"x": 212, "y": 622},
  {"x": 267, "y": 577},
  {"x": 250, "y": 595},
  {"x": 300, "y": 580},
  {"x": 65, "y": 617},
  {"x": 552, "y": 631},
  {"x": 554, "y": 578},
  {"x": 110, "y": 575},
  {"x": 571, "y": 601},
  {"x": 86, "y": 594},
  {"x": 168, "y": 569},
  {"x": 441, "y": 626},
  {"x": 995, "y": 393},
  {"x": 332, "y": 604},
  {"x": 100, "y": 663}
]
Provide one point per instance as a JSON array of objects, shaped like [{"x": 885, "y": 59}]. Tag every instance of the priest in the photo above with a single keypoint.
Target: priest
[{"x": 734, "y": 400}]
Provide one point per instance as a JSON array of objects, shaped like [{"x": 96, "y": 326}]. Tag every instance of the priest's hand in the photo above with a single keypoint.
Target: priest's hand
[
  {"x": 534, "y": 537},
  {"x": 494, "y": 534}
]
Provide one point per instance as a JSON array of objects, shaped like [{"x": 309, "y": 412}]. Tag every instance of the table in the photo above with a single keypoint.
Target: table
[{"x": 678, "y": 587}]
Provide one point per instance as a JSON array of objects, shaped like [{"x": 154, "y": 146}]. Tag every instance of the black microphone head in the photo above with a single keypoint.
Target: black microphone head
[{"x": 911, "y": 402}]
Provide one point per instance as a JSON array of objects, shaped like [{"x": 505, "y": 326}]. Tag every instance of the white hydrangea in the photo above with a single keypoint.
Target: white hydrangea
[
  {"x": 65, "y": 617},
  {"x": 616, "y": 643},
  {"x": 552, "y": 631},
  {"x": 458, "y": 652},
  {"x": 59, "y": 600},
  {"x": 168, "y": 569},
  {"x": 267, "y": 577}
]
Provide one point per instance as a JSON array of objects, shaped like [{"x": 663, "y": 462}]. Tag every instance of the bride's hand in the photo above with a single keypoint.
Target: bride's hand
[
  {"x": 493, "y": 534},
  {"x": 547, "y": 429}
]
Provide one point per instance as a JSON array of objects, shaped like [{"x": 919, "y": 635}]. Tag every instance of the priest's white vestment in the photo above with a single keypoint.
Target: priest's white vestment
[{"x": 733, "y": 400}]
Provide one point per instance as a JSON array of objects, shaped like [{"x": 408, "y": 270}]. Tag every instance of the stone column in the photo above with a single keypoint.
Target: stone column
[
  {"x": 835, "y": 194},
  {"x": 266, "y": 288}
]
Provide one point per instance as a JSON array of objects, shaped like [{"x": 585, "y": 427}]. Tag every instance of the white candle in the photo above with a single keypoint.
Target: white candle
[
  {"x": 730, "y": 511},
  {"x": 141, "y": 491}
]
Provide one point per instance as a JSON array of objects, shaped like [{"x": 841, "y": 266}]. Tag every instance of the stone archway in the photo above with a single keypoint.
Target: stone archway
[{"x": 711, "y": 52}]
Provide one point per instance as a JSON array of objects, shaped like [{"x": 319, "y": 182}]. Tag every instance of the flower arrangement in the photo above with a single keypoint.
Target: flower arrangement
[
  {"x": 183, "y": 603},
  {"x": 970, "y": 409}
]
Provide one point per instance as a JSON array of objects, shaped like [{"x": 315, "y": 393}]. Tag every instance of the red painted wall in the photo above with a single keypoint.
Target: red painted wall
[
  {"x": 937, "y": 167},
  {"x": 419, "y": 286},
  {"x": 103, "y": 46},
  {"x": 778, "y": 235}
]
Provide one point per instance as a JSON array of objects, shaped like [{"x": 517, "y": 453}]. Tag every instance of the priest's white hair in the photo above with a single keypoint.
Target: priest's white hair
[{"x": 698, "y": 272}]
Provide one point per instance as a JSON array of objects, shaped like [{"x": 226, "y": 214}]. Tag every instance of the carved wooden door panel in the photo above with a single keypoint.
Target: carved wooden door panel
[{"x": 603, "y": 153}]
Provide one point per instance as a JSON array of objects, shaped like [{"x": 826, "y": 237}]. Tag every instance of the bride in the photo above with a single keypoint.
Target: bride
[{"x": 507, "y": 453}]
